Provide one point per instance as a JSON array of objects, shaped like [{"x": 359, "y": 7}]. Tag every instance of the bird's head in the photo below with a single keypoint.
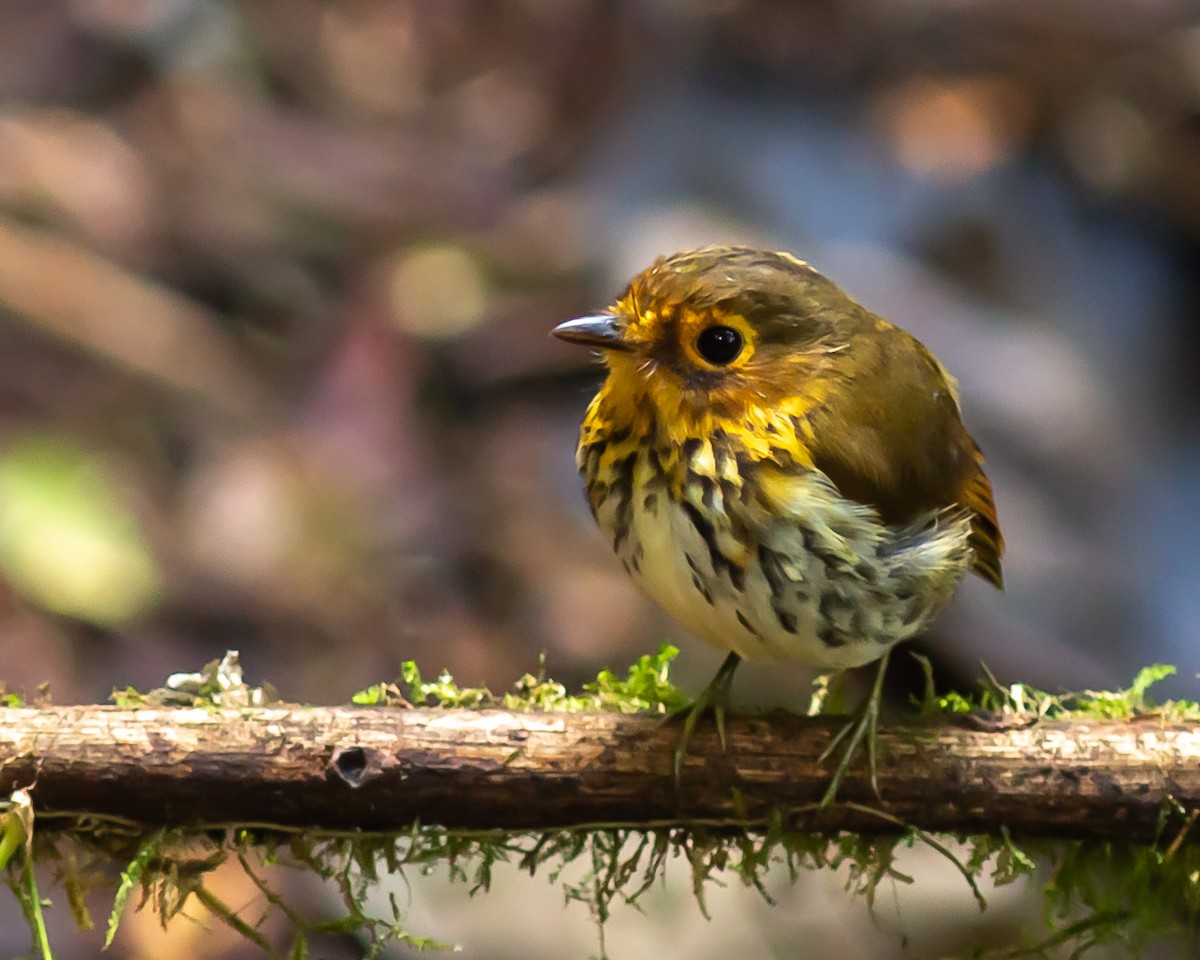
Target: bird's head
[{"x": 721, "y": 331}]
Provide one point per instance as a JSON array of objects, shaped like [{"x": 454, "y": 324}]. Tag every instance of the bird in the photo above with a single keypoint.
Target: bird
[{"x": 787, "y": 474}]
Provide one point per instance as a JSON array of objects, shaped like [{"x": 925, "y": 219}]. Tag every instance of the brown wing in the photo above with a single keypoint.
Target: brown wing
[
  {"x": 893, "y": 437},
  {"x": 986, "y": 539}
]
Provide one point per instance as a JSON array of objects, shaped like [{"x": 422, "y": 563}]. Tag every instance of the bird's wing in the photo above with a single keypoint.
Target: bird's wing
[{"x": 902, "y": 448}]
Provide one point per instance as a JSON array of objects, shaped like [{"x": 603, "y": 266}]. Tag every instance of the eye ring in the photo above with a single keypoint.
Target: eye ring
[{"x": 719, "y": 344}]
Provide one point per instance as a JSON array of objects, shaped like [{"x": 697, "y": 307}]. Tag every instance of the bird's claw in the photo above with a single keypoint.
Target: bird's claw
[
  {"x": 864, "y": 725},
  {"x": 714, "y": 697}
]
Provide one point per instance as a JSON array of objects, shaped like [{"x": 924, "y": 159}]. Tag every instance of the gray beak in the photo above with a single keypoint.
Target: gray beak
[{"x": 600, "y": 331}]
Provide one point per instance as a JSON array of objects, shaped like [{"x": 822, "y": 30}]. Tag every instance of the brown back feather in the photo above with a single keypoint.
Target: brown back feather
[{"x": 901, "y": 446}]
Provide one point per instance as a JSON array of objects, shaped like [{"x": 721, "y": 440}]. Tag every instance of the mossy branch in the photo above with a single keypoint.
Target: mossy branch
[{"x": 383, "y": 768}]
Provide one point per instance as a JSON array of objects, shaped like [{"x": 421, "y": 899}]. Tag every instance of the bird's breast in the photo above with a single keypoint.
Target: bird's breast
[{"x": 772, "y": 564}]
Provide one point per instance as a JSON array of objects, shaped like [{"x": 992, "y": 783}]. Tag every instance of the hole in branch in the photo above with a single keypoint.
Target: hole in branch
[{"x": 353, "y": 766}]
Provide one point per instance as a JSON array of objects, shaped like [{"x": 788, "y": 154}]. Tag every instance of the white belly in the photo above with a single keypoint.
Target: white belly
[
  {"x": 793, "y": 587},
  {"x": 706, "y": 602}
]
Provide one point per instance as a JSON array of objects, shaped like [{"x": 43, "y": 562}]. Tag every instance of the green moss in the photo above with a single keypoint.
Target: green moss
[
  {"x": 1023, "y": 700},
  {"x": 1096, "y": 894},
  {"x": 644, "y": 689}
]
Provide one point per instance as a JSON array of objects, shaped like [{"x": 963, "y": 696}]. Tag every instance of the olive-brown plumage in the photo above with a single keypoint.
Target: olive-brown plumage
[
  {"x": 787, "y": 473},
  {"x": 892, "y": 436}
]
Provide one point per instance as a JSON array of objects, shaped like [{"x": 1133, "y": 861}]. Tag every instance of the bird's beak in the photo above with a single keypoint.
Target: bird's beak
[{"x": 600, "y": 331}]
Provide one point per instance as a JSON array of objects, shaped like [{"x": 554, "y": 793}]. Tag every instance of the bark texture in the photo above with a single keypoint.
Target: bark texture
[{"x": 380, "y": 769}]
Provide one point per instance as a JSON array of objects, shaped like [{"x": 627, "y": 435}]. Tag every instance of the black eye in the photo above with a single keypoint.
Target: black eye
[{"x": 719, "y": 345}]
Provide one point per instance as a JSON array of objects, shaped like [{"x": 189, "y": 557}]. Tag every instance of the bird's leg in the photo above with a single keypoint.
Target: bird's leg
[
  {"x": 864, "y": 724},
  {"x": 714, "y": 697}
]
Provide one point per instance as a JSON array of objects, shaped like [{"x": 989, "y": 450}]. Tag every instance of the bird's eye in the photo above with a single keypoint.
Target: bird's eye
[{"x": 719, "y": 345}]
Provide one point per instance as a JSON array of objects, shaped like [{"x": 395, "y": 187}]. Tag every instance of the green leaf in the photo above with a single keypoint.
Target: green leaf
[
  {"x": 1146, "y": 678},
  {"x": 370, "y": 697},
  {"x": 131, "y": 877}
]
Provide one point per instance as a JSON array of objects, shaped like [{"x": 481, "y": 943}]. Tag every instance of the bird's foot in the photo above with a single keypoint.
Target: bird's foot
[
  {"x": 864, "y": 725},
  {"x": 714, "y": 697}
]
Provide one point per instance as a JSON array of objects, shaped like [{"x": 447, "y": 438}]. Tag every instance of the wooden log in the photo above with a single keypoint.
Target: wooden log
[{"x": 381, "y": 769}]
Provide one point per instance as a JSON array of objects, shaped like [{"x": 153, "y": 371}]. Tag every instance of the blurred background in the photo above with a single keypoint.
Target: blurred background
[{"x": 276, "y": 281}]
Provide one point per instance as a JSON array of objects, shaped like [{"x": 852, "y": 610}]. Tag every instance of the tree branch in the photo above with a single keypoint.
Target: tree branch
[{"x": 380, "y": 769}]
